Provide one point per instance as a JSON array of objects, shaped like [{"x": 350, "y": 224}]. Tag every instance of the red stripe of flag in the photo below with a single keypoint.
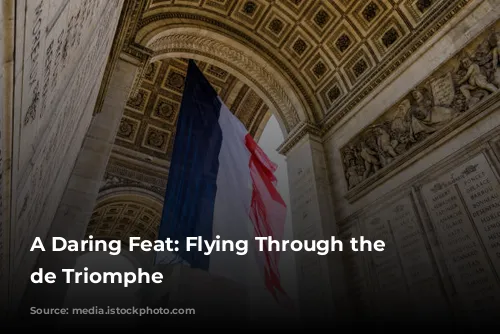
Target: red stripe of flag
[{"x": 268, "y": 214}]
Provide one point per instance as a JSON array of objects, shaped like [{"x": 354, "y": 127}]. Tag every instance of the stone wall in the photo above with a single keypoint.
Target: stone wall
[
  {"x": 418, "y": 167},
  {"x": 63, "y": 47}
]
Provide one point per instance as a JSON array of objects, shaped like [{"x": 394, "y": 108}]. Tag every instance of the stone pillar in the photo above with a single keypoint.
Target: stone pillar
[
  {"x": 79, "y": 198},
  {"x": 7, "y": 38},
  {"x": 319, "y": 278}
]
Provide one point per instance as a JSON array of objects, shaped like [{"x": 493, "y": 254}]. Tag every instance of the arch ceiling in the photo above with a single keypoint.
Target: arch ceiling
[
  {"x": 304, "y": 61},
  {"x": 331, "y": 52},
  {"x": 150, "y": 116}
]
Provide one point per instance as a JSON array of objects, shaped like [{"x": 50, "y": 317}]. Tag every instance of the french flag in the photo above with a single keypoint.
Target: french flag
[{"x": 220, "y": 185}]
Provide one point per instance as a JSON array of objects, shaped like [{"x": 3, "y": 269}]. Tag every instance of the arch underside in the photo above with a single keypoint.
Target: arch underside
[
  {"x": 248, "y": 66},
  {"x": 330, "y": 54}
]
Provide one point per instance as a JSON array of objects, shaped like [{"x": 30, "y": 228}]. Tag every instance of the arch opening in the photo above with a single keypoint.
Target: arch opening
[
  {"x": 124, "y": 212},
  {"x": 155, "y": 112},
  {"x": 119, "y": 214}
]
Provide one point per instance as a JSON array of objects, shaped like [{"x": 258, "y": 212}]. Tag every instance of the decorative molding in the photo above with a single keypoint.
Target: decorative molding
[
  {"x": 480, "y": 145},
  {"x": 121, "y": 174},
  {"x": 488, "y": 106},
  {"x": 299, "y": 132},
  {"x": 236, "y": 59},
  {"x": 232, "y": 32},
  {"x": 139, "y": 52},
  {"x": 143, "y": 56}
]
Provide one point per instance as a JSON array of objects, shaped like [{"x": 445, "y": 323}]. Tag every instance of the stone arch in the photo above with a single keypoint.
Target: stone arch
[
  {"x": 266, "y": 80},
  {"x": 119, "y": 191},
  {"x": 124, "y": 212}
]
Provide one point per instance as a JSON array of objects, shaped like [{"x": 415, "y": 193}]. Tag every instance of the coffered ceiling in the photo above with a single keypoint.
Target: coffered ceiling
[
  {"x": 334, "y": 51},
  {"x": 122, "y": 217},
  {"x": 150, "y": 116}
]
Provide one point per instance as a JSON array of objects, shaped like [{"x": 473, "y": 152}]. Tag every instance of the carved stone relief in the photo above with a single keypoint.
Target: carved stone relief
[{"x": 453, "y": 90}]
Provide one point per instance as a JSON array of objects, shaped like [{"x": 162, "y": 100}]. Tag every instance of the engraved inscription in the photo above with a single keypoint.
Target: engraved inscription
[
  {"x": 52, "y": 152},
  {"x": 312, "y": 278},
  {"x": 404, "y": 275},
  {"x": 456, "y": 204},
  {"x": 34, "y": 55},
  {"x": 52, "y": 58},
  {"x": 480, "y": 190},
  {"x": 443, "y": 90}
]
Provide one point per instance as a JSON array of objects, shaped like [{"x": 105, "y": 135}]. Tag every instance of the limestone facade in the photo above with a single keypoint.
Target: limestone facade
[{"x": 390, "y": 111}]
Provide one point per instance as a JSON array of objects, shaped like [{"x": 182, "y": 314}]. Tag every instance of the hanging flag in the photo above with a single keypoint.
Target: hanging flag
[{"x": 220, "y": 184}]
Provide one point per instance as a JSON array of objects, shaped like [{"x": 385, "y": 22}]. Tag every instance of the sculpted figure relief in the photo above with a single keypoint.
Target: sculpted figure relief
[
  {"x": 474, "y": 79},
  {"x": 495, "y": 54},
  {"x": 452, "y": 91}
]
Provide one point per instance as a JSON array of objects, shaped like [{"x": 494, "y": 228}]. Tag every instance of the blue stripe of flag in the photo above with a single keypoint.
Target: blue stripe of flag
[{"x": 192, "y": 180}]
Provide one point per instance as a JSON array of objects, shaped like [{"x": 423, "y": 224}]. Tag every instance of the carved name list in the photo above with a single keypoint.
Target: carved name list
[
  {"x": 464, "y": 207},
  {"x": 403, "y": 278}
]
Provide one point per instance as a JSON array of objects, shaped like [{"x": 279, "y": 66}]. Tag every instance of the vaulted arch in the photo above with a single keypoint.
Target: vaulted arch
[
  {"x": 236, "y": 58},
  {"x": 126, "y": 212}
]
